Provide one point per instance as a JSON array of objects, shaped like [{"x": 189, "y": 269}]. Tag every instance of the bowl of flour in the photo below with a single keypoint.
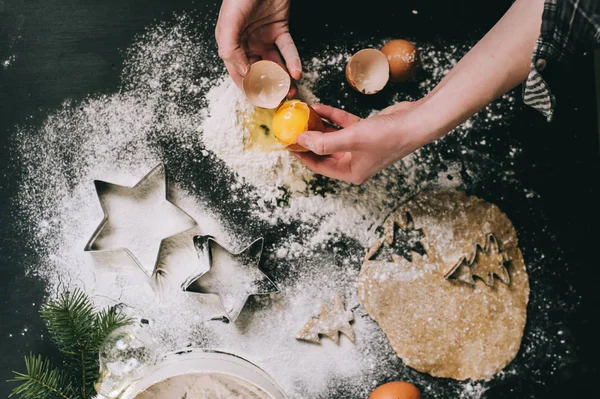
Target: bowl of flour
[{"x": 206, "y": 374}]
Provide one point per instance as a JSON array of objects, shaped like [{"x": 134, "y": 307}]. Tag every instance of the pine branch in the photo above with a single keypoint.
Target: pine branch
[
  {"x": 79, "y": 332},
  {"x": 42, "y": 381},
  {"x": 106, "y": 321},
  {"x": 70, "y": 320}
]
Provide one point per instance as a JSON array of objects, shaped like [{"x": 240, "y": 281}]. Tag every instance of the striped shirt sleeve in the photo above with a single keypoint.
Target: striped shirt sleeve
[{"x": 568, "y": 27}]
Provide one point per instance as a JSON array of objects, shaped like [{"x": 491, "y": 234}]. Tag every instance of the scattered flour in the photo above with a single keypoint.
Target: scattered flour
[
  {"x": 223, "y": 133},
  {"x": 176, "y": 107}
]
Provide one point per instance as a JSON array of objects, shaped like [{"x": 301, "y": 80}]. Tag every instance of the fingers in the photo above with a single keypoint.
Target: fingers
[
  {"x": 329, "y": 127},
  {"x": 327, "y": 143},
  {"x": 237, "y": 65},
  {"x": 253, "y": 58},
  {"x": 273, "y": 55},
  {"x": 293, "y": 90},
  {"x": 336, "y": 115},
  {"x": 228, "y": 34},
  {"x": 336, "y": 168},
  {"x": 286, "y": 46}
]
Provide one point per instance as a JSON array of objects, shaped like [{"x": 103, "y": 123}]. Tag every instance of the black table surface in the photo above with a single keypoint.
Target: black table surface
[{"x": 70, "y": 49}]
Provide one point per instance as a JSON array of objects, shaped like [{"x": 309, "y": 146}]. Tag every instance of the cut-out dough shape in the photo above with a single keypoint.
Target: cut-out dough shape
[
  {"x": 333, "y": 320},
  {"x": 403, "y": 238},
  {"x": 233, "y": 277},
  {"x": 444, "y": 327}
]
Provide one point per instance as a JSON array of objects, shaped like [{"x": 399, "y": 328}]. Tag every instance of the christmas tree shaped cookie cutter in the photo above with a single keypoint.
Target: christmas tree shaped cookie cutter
[
  {"x": 486, "y": 263},
  {"x": 110, "y": 238},
  {"x": 232, "y": 276}
]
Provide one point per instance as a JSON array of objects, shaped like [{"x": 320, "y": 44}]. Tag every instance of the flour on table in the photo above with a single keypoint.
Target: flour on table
[
  {"x": 176, "y": 106},
  {"x": 223, "y": 132}
]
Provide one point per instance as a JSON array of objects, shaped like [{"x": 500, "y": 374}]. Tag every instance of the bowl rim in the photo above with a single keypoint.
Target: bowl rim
[{"x": 196, "y": 354}]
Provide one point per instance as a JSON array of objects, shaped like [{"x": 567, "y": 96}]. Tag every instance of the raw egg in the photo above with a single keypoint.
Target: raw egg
[
  {"x": 403, "y": 57},
  {"x": 266, "y": 84},
  {"x": 259, "y": 123},
  {"x": 368, "y": 71},
  {"x": 292, "y": 118},
  {"x": 396, "y": 390}
]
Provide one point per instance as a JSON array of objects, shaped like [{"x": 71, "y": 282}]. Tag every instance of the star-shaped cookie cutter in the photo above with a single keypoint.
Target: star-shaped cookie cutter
[
  {"x": 157, "y": 173},
  {"x": 233, "y": 277}
]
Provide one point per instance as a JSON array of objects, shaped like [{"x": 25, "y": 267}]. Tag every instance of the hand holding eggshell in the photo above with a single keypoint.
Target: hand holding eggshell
[
  {"x": 292, "y": 118},
  {"x": 266, "y": 84}
]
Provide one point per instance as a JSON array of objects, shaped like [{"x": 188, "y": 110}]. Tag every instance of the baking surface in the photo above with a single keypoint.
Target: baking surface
[{"x": 51, "y": 51}]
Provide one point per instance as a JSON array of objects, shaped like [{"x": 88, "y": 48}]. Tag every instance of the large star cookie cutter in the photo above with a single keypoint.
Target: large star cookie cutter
[
  {"x": 233, "y": 277},
  {"x": 150, "y": 192}
]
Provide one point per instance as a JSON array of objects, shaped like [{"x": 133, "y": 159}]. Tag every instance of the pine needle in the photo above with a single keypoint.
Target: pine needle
[
  {"x": 42, "y": 381},
  {"x": 78, "y": 332},
  {"x": 70, "y": 320}
]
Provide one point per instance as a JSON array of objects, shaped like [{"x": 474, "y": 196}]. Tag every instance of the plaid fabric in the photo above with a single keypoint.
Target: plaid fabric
[{"x": 568, "y": 27}]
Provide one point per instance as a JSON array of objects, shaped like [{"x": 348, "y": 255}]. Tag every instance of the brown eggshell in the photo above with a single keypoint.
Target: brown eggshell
[
  {"x": 396, "y": 390},
  {"x": 403, "y": 58},
  {"x": 314, "y": 123},
  {"x": 266, "y": 84},
  {"x": 368, "y": 71}
]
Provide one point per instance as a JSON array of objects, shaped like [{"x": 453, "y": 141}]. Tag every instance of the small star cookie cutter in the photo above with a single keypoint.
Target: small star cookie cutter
[
  {"x": 221, "y": 267},
  {"x": 142, "y": 187}
]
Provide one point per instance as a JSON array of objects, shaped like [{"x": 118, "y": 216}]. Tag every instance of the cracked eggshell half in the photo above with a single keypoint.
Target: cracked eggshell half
[
  {"x": 266, "y": 84},
  {"x": 368, "y": 71}
]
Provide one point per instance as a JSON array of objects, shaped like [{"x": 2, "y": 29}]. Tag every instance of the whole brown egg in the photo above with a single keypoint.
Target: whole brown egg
[
  {"x": 396, "y": 390},
  {"x": 403, "y": 58}
]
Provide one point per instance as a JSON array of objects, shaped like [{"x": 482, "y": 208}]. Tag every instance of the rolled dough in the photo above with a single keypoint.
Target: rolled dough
[{"x": 447, "y": 328}]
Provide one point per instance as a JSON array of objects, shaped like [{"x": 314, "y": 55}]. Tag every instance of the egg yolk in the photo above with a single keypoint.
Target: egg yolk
[{"x": 289, "y": 121}]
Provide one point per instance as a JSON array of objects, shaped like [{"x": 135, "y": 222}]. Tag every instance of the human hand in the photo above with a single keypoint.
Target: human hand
[
  {"x": 363, "y": 147},
  {"x": 251, "y": 30}
]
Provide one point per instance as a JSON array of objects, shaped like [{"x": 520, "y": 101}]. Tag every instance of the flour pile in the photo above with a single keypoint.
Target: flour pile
[{"x": 177, "y": 107}]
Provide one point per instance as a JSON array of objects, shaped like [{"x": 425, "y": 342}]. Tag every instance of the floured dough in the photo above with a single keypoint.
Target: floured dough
[
  {"x": 449, "y": 328},
  {"x": 333, "y": 320}
]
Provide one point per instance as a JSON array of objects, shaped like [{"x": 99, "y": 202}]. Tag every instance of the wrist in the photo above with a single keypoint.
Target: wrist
[
  {"x": 439, "y": 115},
  {"x": 417, "y": 127}
]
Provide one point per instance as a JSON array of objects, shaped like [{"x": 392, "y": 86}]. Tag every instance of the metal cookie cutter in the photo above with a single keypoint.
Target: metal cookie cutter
[
  {"x": 486, "y": 262},
  {"x": 144, "y": 190},
  {"x": 233, "y": 277}
]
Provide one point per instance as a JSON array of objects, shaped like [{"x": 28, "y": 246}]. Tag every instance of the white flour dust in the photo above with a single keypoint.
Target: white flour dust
[
  {"x": 205, "y": 385},
  {"x": 175, "y": 102}
]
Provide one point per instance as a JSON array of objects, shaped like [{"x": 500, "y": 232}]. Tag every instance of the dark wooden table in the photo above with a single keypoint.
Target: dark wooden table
[{"x": 70, "y": 49}]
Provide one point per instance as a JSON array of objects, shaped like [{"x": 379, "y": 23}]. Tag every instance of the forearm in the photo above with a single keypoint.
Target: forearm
[{"x": 499, "y": 62}]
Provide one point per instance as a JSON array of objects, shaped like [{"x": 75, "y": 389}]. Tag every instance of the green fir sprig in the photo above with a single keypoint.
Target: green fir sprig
[{"x": 78, "y": 331}]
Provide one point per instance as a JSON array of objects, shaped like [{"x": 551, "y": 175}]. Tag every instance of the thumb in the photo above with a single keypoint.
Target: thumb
[
  {"x": 327, "y": 143},
  {"x": 237, "y": 59}
]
